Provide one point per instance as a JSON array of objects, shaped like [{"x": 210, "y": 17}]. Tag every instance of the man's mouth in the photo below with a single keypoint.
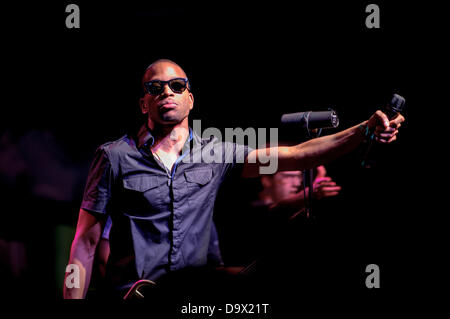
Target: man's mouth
[{"x": 168, "y": 105}]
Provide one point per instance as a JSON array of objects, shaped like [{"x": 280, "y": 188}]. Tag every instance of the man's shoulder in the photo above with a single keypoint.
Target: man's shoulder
[{"x": 120, "y": 146}]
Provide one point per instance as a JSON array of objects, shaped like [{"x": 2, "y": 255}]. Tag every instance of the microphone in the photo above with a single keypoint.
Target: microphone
[
  {"x": 395, "y": 107},
  {"x": 312, "y": 120}
]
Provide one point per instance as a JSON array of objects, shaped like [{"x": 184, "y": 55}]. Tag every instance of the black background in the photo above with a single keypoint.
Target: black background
[{"x": 248, "y": 64}]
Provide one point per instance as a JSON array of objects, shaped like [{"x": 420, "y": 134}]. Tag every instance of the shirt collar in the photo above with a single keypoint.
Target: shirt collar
[{"x": 146, "y": 139}]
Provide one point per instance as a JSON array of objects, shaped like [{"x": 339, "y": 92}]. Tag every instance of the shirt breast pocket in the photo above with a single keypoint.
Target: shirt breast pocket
[
  {"x": 142, "y": 196},
  {"x": 196, "y": 179}
]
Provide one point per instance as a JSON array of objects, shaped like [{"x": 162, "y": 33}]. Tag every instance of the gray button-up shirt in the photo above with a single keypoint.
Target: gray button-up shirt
[{"x": 161, "y": 221}]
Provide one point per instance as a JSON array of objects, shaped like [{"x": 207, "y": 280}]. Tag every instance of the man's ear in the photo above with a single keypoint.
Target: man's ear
[
  {"x": 266, "y": 181},
  {"x": 191, "y": 99},
  {"x": 143, "y": 105}
]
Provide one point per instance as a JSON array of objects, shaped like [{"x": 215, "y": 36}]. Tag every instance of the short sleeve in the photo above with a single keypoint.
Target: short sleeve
[
  {"x": 241, "y": 152},
  {"x": 107, "y": 228},
  {"x": 97, "y": 193},
  {"x": 234, "y": 157}
]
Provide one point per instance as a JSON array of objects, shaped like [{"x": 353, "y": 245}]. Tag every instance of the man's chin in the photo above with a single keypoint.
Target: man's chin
[{"x": 170, "y": 120}]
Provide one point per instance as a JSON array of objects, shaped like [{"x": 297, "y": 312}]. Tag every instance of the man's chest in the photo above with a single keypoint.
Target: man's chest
[
  {"x": 147, "y": 187},
  {"x": 167, "y": 160}
]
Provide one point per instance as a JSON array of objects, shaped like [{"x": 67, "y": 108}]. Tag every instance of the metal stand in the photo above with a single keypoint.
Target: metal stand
[{"x": 308, "y": 176}]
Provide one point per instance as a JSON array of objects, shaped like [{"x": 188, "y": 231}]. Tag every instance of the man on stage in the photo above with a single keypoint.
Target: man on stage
[{"x": 161, "y": 202}]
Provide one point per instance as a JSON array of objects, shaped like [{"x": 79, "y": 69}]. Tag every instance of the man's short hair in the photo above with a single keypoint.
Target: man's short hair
[{"x": 159, "y": 61}]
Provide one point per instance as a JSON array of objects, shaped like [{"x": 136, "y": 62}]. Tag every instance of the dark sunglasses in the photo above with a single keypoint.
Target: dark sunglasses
[{"x": 177, "y": 85}]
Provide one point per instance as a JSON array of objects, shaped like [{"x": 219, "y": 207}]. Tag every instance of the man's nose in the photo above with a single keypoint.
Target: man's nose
[
  {"x": 297, "y": 182},
  {"x": 167, "y": 91}
]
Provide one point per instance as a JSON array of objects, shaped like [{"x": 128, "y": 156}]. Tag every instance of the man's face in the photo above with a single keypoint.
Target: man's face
[
  {"x": 285, "y": 184},
  {"x": 166, "y": 108}
]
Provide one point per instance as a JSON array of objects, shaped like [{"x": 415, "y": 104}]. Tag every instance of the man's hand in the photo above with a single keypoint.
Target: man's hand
[
  {"x": 323, "y": 149},
  {"x": 324, "y": 186},
  {"x": 385, "y": 130}
]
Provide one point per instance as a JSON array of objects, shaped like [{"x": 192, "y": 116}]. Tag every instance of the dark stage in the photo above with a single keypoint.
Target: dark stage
[{"x": 70, "y": 90}]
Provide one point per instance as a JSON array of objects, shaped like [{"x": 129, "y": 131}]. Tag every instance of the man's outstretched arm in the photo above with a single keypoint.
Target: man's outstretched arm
[
  {"x": 82, "y": 252},
  {"x": 324, "y": 149}
]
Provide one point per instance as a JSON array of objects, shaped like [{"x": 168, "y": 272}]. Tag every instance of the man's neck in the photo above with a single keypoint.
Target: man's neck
[
  {"x": 265, "y": 197},
  {"x": 170, "y": 139}
]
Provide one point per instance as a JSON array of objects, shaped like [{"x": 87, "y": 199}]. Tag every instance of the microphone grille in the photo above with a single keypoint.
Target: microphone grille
[
  {"x": 397, "y": 103},
  {"x": 292, "y": 118}
]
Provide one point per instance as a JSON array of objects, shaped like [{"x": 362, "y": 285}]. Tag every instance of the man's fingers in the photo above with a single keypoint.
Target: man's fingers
[
  {"x": 321, "y": 171},
  {"x": 392, "y": 139},
  {"x": 319, "y": 180},
  {"x": 325, "y": 183},
  {"x": 397, "y": 121},
  {"x": 328, "y": 188},
  {"x": 386, "y": 135},
  {"x": 379, "y": 129},
  {"x": 385, "y": 131},
  {"x": 331, "y": 194},
  {"x": 382, "y": 119},
  {"x": 385, "y": 140},
  {"x": 331, "y": 189}
]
